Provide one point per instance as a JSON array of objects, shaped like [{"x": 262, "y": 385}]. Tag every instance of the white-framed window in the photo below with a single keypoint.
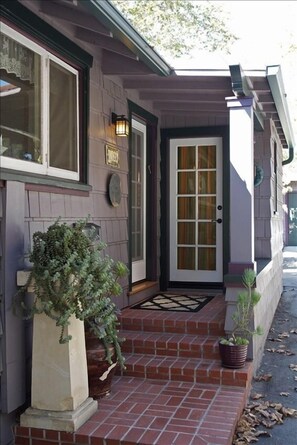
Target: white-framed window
[{"x": 39, "y": 122}]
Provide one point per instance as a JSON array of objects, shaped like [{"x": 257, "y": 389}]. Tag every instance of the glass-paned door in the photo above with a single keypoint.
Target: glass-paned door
[
  {"x": 196, "y": 210},
  {"x": 138, "y": 201}
]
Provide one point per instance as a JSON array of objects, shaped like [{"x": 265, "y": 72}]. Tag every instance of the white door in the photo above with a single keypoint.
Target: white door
[
  {"x": 138, "y": 201},
  {"x": 196, "y": 210}
]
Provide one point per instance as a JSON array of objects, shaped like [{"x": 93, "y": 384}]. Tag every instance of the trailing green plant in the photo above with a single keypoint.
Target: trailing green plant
[
  {"x": 246, "y": 301},
  {"x": 72, "y": 276}
]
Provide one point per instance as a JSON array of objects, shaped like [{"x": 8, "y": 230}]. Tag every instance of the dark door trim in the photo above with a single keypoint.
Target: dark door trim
[{"x": 175, "y": 133}]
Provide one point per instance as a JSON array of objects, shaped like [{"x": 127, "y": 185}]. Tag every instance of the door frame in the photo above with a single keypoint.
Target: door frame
[
  {"x": 151, "y": 122},
  {"x": 192, "y": 132}
]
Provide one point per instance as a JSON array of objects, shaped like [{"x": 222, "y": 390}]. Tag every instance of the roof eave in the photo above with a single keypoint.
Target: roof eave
[
  {"x": 107, "y": 14},
  {"x": 275, "y": 80}
]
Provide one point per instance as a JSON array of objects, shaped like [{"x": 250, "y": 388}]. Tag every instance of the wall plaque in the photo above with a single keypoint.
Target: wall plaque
[{"x": 112, "y": 156}]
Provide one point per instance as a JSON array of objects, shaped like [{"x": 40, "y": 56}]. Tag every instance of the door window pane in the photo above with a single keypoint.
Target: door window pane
[
  {"x": 207, "y": 233},
  {"x": 186, "y": 183},
  {"x": 207, "y": 156},
  {"x": 63, "y": 127},
  {"x": 207, "y": 207},
  {"x": 186, "y": 208},
  {"x": 186, "y": 233},
  {"x": 207, "y": 182},
  {"x": 207, "y": 258},
  {"x": 186, "y": 158},
  {"x": 186, "y": 258}
]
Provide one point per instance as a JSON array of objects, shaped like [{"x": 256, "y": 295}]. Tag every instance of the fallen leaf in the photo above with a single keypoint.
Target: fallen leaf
[
  {"x": 289, "y": 412},
  {"x": 268, "y": 424},
  {"x": 284, "y": 335},
  {"x": 274, "y": 339},
  {"x": 295, "y": 378},
  {"x": 263, "y": 377},
  {"x": 277, "y": 416},
  {"x": 284, "y": 394},
  {"x": 257, "y": 396},
  {"x": 293, "y": 331},
  {"x": 262, "y": 433},
  {"x": 293, "y": 367},
  {"x": 277, "y": 406}
]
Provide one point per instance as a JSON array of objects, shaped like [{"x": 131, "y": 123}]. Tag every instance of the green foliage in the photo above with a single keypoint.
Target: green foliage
[
  {"x": 178, "y": 26},
  {"x": 71, "y": 276},
  {"x": 246, "y": 301}
]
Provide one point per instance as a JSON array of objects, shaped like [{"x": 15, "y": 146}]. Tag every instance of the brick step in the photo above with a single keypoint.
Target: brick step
[
  {"x": 183, "y": 369},
  {"x": 153, "y": 412},
  {"x": 170, "y": 344},
  {"x": 172, "y": 322}
]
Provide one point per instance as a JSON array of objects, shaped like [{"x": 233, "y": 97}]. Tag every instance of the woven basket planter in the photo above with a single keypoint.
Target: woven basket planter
[{"x": 233, "y": 356}]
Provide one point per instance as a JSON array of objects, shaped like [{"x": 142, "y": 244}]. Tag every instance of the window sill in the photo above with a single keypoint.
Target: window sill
[{"x": 46, "y": 183}]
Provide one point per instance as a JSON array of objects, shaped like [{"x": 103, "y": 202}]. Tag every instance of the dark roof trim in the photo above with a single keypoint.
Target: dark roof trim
[
  {"x": 275, "y": 80},
  {"x": 107, "y": 14},
  {"x": 241, "y": 88}
]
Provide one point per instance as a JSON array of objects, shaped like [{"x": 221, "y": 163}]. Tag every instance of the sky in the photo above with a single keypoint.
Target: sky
[{"x": 265, "y": 30}]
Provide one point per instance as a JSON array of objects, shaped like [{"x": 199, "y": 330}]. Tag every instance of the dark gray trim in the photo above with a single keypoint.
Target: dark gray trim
[
  {"x": 240, "y": 88},
  {"x": 46, "y": 34},
  {"x": 13, "y": 175},
  {"x": 173, "y": 133},
  {"x": 109, "y": 15}
]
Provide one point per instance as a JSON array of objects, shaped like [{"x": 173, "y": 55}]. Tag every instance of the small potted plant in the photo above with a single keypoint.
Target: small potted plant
[
  {"x": 233, "y": 350},
  {"x": 71, "y": 276}
]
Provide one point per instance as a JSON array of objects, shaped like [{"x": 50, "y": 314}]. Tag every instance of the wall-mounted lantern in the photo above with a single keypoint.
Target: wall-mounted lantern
[{"x": 121, "y": 124}]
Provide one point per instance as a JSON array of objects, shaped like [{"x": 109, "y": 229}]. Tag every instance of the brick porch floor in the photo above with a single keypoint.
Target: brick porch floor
[{"x": 173, "y": 392}]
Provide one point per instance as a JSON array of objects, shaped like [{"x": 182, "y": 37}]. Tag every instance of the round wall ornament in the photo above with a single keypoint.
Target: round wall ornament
[{"x": 114, "y": 190}]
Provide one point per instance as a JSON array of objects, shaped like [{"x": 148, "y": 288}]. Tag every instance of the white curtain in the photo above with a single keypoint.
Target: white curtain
[{"x": 16, "y": 59}]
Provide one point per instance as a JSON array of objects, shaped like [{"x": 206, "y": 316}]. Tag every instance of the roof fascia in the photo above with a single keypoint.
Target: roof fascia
[
  {"x": 107, "y": 14},
  {"x": 275, "y": 80}
]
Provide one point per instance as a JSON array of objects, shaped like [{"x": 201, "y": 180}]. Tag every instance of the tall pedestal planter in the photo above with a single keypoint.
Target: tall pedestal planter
[{"x": 59, "y": 393}]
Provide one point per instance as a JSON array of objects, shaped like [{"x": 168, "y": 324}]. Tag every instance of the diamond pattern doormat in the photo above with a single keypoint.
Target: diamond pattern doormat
[{"x": 172, "y": 302}]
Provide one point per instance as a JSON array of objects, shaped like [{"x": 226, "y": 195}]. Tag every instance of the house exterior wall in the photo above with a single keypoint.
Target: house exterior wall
[
  {"x": 34, "y": 207},
  {"x": 268, "y": 231}
]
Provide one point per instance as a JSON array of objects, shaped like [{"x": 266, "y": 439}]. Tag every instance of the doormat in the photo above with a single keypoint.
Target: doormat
[{"x": 174, "y": 303}]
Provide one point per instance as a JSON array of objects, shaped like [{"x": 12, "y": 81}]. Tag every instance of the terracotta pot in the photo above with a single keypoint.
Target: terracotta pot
[
  {"x": 100, "y": 372},
  {"x": 233, "y": 356}
]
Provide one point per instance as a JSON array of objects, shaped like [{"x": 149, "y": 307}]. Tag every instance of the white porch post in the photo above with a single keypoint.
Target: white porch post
[
  {"x": 241, "y": 180},
  {"x": 241, "y": 197}
]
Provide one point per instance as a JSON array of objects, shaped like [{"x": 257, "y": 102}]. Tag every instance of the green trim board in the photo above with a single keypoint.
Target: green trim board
[{"x": 174, "y": 133}]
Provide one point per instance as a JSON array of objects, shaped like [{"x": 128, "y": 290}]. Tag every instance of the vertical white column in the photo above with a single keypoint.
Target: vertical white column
[
  {"x": 241, "y": 180},
  {"x": 242, "y": 251}
]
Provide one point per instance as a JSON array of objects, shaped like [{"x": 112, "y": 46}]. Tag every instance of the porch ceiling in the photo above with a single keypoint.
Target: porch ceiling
[{"x": 192, "y": 92}]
